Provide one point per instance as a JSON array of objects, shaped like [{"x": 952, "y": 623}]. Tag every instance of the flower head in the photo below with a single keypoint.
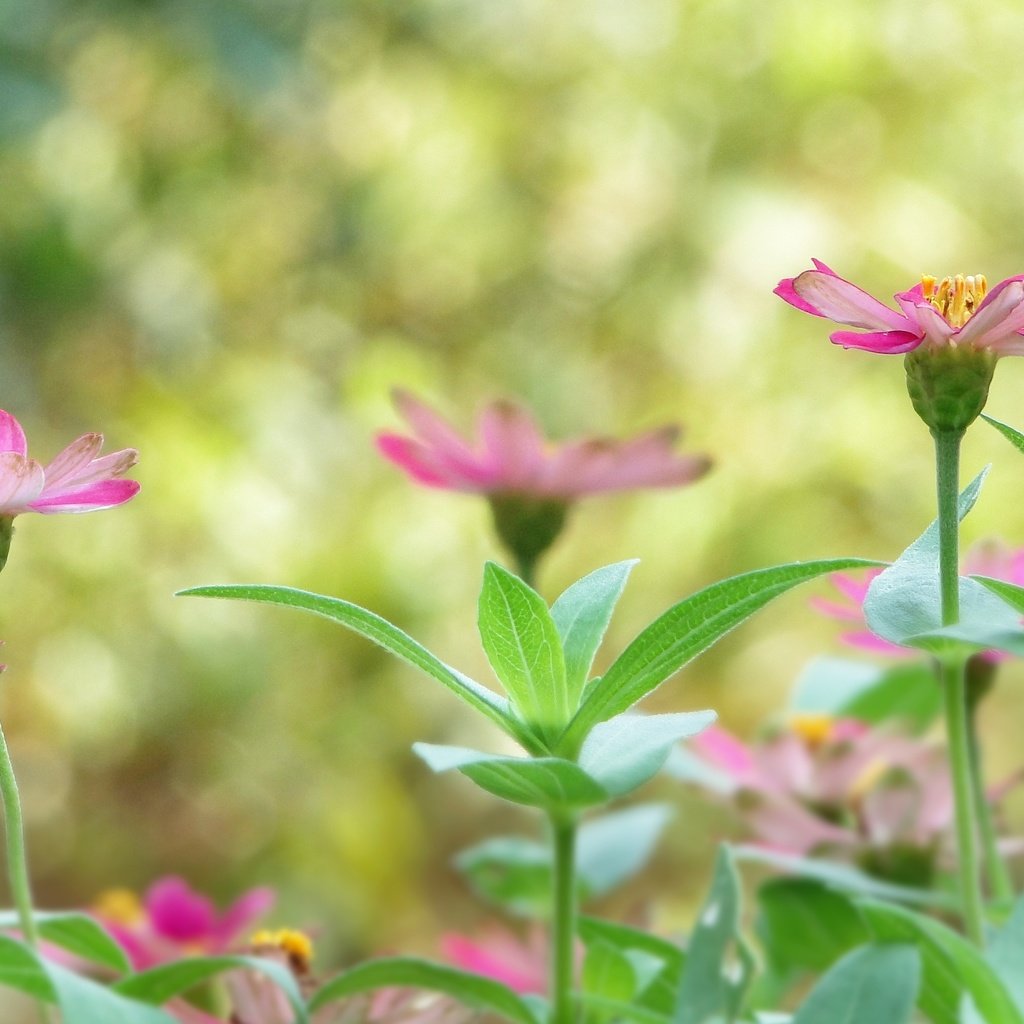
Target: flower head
[
  {"x": 529, "y": 482},
  {"x": 834, "y": 787},
  {"x": 174, "y": 921},
  {"x": 956, "y": 312},
  {"x": 498, "y": 953}
]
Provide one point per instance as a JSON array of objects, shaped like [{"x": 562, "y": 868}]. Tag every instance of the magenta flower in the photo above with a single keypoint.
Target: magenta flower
[
  {"x": 957, "y": 312},
  {"x": 834, "y": 787},
  {"x": 174, "y": 921},
  {"x": 521, "y": 964},
  {"x": 512, "y": 457}
]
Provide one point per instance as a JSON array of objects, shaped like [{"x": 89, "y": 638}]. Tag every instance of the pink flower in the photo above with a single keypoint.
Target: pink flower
[
  {"x": 511, "y": 456},
  {"x": 174, "y": 921},
  {"x": 957, "y": 312},
  {"x": 77, "y": 480},
  {"x": 835, "y": 787},
  {"x": 500, "y": 954},
  {"x": 990, "y": 558}
]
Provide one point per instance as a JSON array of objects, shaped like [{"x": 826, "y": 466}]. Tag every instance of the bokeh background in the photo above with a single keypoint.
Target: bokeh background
[{"x": 229, "y": 227}]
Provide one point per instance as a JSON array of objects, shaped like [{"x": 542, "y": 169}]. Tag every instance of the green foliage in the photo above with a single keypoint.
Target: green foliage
[
  {"x": 471, "y": 989},
  {"x": 870, "y": 985},
  {"x": 81, "y": 935},
  {"x": 524, "y": 648},
  {"x": 1015, "y": 437},
  {"x": 687, "y": 629},
  {"x": 1006, "y": 953}
]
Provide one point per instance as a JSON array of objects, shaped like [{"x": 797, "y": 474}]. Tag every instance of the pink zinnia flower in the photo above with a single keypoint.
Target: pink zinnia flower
[
  {"x": 511, "y": 456},
  {"x": 174, "y": 921},
  {"x": 498, "y": 953},
  {"x": 835, "y": 787},
  {"x": 957, "y": 312}
]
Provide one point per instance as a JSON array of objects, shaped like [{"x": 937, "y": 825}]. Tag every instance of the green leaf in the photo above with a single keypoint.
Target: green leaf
[
  {"x": 623, "y": 937},
  {"x": 710, "y": 990},
  {"x": 523, "y": 646},
  {"x": 804, "y": 925},
  {"x": 511, "y": 872},
  {"x": 1015, "y": 437},
  {"x": 79, "y": 934},
  {"x": 1006, "y": 955},
  {"x": 607, "y": 973},
  {"x": 582, "y": 614},
  {"x": 546, "y": 782},
  {"x": 614, "y": 847},
  {"x": 629, "y": 749},
  {"x": 81, "y": 1001},
  {"x": 871, "y": 985},
  {"x": 472, "y": 990},
  {"x": 686, "y": 630},
  {"x": 843, "y": 877},
  {"x": 952, "y": 967},
  {"x": 390, "y": 637},
  {"x": 907, "y": 692},
  {"x": 165, "y": 981},
  {"x": 614, "y": 1009}
]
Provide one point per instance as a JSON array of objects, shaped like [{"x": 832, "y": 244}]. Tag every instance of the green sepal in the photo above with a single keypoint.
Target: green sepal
[{"x": 948, "y": 386}]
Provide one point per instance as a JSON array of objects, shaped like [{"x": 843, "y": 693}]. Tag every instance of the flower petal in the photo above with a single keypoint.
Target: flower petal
[
  {"x": 242, "y": 914},
  {"x": 930, "y": 322},
  {"x": 824, "y": 293},
  {"x": 998, "y": 318},
  {"x": 883, "y": 342},
  {"x": 73, "y": 459},
  {"x": 424, "y": 464},
  {"x": 437, "y": 433},
  {"x": 91, "y": 498},
  {"x": 12, "y": 437},
  {"x": 177, "y": 912},
  {"x": 21, "y": 480},
  {"x": 71, "y": 471},
  {"x": 513, "y": 446}
]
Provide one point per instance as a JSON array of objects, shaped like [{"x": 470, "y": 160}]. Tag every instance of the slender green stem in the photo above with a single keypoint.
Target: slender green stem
[
  {"x": 563, "y": 919},
  {"x": 952, "y": 679},
  {"x": 526, "y": 568},
  {"x": 17, "y": 862}
]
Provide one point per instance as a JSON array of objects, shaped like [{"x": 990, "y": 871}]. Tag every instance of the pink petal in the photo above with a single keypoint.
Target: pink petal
[
  {"x": 998, "y": 318},
  {"x": 835, "y": 610},
  {"x": 12, "y": 437},
  {"x": 882, "y": 342},
  {"x": 930, "y": 322},
  {"x": 450, "y": 448},
  {"x": 423, "y": 464},
  {"x": 73, "y": 459},
  {"x": 73, "y": 473},
  {"x": 868, "y": 641},
  {"x": 825, "y": 294},
  {"x": 514, "y": 447},
  {"x": 470, "y": 956},
  {"x": 242, "y": 914},
  {"x": 21, "y": 480},
  {"x": 92, "y": 498},
  {"x": 785, "y": 825},
  {"x": 179, "y": 913},
  {"x": 725, "y": 751}
]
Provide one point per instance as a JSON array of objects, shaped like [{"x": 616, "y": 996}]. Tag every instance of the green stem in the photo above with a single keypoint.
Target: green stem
[
  {"x": 952, "y": 679},
  {"x": 17, "y": 862},
  {"x": 526, "y": 568},
  {"x": 563, "y": 919}
]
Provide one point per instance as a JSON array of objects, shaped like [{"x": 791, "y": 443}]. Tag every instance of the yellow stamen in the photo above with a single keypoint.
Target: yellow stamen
[
  {"x": 956, "y": 298},
  {"x": 297, "y": 945},
  {"x": 815, "y": 729},
  {"x": 120, "y": 906}
]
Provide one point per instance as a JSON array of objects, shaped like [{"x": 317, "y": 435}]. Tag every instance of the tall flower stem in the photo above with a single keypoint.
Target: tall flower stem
[
  {"x": 563, "y": 918},
  {"x": 17, "y": 862},
  {"x": 952, "y": 677}
]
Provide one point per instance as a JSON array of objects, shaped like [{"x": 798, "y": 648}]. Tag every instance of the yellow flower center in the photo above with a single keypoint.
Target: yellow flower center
[
  {"x": 956, "y": 298},
  {"x": 298, "y": 946},
  {"x": 814, "y": 728},
  {"x": 121, "y": 906}
]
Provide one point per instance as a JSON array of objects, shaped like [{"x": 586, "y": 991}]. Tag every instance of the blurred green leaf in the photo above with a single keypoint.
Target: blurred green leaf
[
  {"x": 1015, "y": 437},
  {"x": 79, "y": 934},
  {"x": 546, "y": 782},
  {"x": 1006, "y": 954},
  {"x": 471, "y": 989},
  {"x": 627, "y": 750},
  {"x": 607, "y": 973},
  {"x": 613, "y": 847},
  {"x": 686, "y": 630},
  {"x": 523, "y": 646},
  {"x": 582, "y": 614},
  {"x": 871, "y": 985}
]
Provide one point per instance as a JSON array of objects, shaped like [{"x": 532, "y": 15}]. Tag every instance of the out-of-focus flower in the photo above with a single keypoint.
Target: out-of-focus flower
[
  {"x": 77, "y": 480},
  {"x": 529, "y": 482},
  {"x": 834, "y": 787},
  {"x": 174, "y": 921},
  {"x": 989, "y": 558},
  {"x": 956, "y": 312},
  {"x": 519, "y": 963}
]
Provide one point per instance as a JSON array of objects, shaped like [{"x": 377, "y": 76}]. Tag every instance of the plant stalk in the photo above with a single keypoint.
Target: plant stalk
[
  {"x": 563, "y": 919},
  {"x": 952, "y": 677}
]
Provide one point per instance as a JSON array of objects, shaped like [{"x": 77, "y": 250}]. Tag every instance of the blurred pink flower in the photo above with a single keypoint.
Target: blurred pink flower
[
  {"x": 835, "y": 787},
  {"x": 174, "y": 921},
  {"x": 955, "y": 312},
  {"x": 77, "y": 480},
  {"x": 511, "y": 456},
  {"x": 498, "y": 953},
  {"x": 989, "y": 558}
]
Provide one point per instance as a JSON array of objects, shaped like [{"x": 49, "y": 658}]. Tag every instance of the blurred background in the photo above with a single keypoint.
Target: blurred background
[{"x": 229, "y": 228}]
